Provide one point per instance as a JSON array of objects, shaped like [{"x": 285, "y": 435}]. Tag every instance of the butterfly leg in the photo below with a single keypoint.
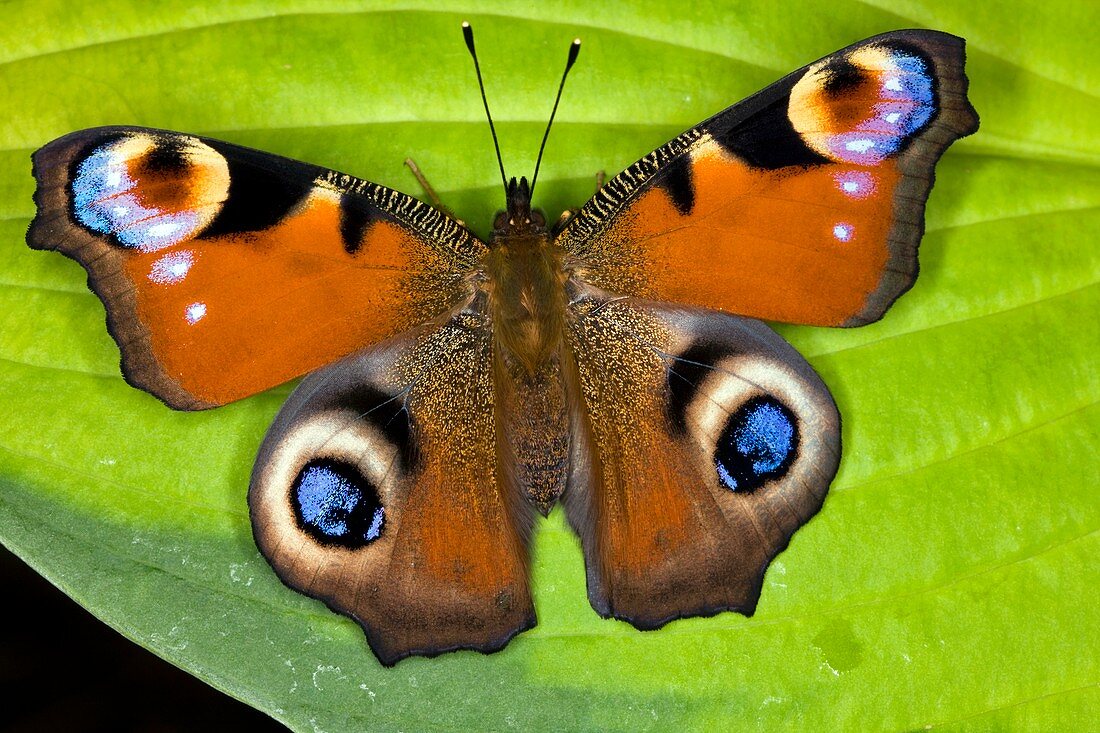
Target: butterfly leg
[
  {"x": 568, "y": 214},
  {"x": 433, "y": 197}
]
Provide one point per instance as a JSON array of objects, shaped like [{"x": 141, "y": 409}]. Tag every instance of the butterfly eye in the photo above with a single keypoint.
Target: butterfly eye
[
  {"x": 336, "y": 505},
  {"x": 759, "y": 443}
]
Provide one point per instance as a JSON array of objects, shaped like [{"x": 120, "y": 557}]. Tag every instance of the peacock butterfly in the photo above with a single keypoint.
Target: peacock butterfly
[{"x": 458, "y": 387}]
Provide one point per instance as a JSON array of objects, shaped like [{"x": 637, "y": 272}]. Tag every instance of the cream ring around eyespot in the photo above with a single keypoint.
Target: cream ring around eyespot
[
  {"x": 736, "y": 379},
  {"x": 339, "y": 435}
]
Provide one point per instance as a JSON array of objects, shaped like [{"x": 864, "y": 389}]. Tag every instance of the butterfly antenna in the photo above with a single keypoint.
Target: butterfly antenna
[
  {"x": 468, "y": 34},
  {"x": 574, "y": 49}
]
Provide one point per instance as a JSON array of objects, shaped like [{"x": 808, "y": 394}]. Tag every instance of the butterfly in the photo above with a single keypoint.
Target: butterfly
[{"x": 457, "y": 388}]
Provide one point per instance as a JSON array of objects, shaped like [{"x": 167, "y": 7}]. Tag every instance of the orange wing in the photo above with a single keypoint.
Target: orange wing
[
  {"x": 804, "y": 203},
  {"x": 226, "y": 271}
]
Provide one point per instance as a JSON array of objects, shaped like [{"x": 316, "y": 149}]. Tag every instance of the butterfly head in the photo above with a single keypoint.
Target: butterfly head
[{"x": 518, "y": 218}]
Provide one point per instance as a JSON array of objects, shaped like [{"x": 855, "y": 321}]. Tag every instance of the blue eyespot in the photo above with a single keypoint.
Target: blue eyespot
[
  {"x": 336, "y": 505},
  {"x": 758, "y": 444}
]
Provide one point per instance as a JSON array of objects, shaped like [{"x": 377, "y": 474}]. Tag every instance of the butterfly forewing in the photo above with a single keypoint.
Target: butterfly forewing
[
  {"x": 804, "y": 203},
  {"x": 226, "y": 271}
]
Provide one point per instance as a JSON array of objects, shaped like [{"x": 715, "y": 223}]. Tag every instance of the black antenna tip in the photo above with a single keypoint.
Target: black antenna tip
[
  {"x": 573, "y": 51},
  {"x": 468, "y": 34}
]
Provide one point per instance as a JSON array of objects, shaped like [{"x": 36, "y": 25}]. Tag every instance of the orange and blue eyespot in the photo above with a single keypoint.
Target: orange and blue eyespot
[
  {"x": 115, "y": 194},
  {"x": 865, "y": 112},
  {"x": 105, "y": 200},
  {"x": 905, "y": 91}
]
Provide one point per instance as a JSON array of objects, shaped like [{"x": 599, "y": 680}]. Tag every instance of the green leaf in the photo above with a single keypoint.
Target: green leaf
[{"x": 949, "y": 581}]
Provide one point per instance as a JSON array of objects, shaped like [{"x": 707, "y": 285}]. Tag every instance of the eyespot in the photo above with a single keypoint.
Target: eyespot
[
  {"x": 864, "y": 107},
  {"x": 149, "y": 192},
  {"x": 758, "y": 444},
  {"x": 335, "y": 504}
]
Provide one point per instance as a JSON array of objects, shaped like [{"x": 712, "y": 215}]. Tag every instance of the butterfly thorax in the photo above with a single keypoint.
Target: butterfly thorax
[{"x": 525, "y": 282}]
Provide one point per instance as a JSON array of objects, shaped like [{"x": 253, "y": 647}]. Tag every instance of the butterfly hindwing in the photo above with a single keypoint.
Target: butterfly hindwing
[
  {"x": 804, "y": 203},
  {"x": 378, "y": 490},
  {"x": 226, "y": 271},
  {"x": 706, "y": 441}
]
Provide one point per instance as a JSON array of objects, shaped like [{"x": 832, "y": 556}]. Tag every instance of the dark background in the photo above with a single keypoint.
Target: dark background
[{"x": 62, "y": 670}]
